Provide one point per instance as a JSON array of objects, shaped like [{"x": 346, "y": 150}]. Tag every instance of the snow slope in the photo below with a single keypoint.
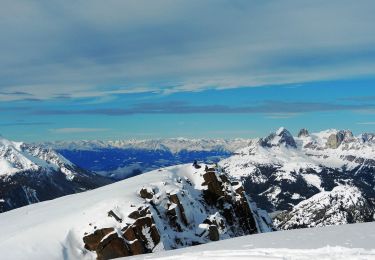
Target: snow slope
[
  {"x": 55, "y": 229},
  {"x": 355, "y": 241}
]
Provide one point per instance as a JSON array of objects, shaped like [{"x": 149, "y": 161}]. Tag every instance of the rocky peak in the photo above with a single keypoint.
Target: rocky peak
[
  {"x": 281, "y": 137},
  {"x": 336, "y": 139},
  {"x": 367, "y": 137},
  {"x": 303, "y": 133}
]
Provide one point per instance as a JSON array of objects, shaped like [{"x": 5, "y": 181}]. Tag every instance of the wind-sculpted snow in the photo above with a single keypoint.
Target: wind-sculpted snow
[{"x": 279, "y": 175}]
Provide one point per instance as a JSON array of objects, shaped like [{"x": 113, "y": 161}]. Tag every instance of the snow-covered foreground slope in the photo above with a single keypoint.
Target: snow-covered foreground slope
[
  {"x": 309, "y": 175},
  {"x": 159, "y": 210},
  {"x": 354, "y": 241},
  {"x": 30, "y": 174}
]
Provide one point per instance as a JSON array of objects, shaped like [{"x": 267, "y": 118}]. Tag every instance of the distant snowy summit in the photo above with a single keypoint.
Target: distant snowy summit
[
  {"x": 173, "y": 145},
  {"x": 30, "y": 174},
  {"x": 308, "y": 175}
]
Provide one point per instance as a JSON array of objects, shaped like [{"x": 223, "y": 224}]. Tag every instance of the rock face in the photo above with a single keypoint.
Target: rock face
[
  {"x": 197, "y": 208},
  {"x": 303, "y": 133},
  {"x": 335, "y": 140},
  {"x": 137, "y": 238}
]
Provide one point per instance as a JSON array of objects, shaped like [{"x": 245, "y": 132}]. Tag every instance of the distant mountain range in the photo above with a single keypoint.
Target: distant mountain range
[
  {"x": 126, "y": 158},
  {"x": 309, "y": 180},
  {"x": 299, "y": 180}
]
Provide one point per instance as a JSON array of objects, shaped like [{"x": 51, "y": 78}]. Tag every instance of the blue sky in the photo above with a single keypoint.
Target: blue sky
[{"x": 154, "y": 69}]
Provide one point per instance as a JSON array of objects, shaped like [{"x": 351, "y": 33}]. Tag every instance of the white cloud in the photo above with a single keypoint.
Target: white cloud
[
  {"x": 75, "y": 130},
  {"x": 96, "y": 48}
]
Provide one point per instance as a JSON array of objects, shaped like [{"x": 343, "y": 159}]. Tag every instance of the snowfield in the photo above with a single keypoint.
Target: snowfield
[{"x": 355, "y": 241}]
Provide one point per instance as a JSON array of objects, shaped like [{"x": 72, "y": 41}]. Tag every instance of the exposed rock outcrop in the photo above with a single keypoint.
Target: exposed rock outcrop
[
  {"x": 336, "y": 139},
  {"x": 195, "y": 209}
]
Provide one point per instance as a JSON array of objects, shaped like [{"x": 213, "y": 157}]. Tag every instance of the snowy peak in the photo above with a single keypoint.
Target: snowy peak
[
  {"x": 303, "y": 133},
  {"x": 343, "y": 204},
  {"x": 336, "y": 139},
  {"x": 282, "y": 137},
  {"x": 30, "y": 174},
  {"x": 17, "y": 156}
]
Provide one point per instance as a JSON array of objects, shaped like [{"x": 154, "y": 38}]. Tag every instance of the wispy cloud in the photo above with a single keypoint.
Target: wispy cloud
[
  {"x": 366, "y": 123},
  {"x": 75, "y": 130},
  {"x": 103, "y": 48},
  {"x": 273, "y": 108},
  {"x": 282, "y": 115},
  {"x": 22, "y": 123}
]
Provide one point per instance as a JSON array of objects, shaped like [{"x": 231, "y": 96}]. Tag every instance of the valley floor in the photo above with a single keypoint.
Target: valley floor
[{"x": 355, "y": 241}]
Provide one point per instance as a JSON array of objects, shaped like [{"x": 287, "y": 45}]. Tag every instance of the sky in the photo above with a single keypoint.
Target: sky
[{"x": 121, "y": 69}]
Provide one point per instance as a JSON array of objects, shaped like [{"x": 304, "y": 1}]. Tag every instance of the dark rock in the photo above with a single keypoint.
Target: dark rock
[
  {"x": 146, "y": 193},
  {"x": 92, "y": 241},
  {"x": 136, "y": 247},
  {"x": 134, "y": 215},
  {"x": 129, "y": 234},
  {"x": 303, "y": 133},
  {"x": 213, "y": 233},
  {"x": 196, "y": 165},
  {"x": 113, "y": 214},
  {"x": 155, "y": 236},
  {"x": 112, "y": 247},
  {"x": 174, "y": 198},
  {"x": 214, "y": 187}
]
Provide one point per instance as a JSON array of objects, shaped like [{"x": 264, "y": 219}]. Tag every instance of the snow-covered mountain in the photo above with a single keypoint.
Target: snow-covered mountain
[
  {"x": 308, "y": 175},
  {"x": 173, "y": 145},
  {"x": 30, "y": 174},
  {"x": 126, "y": 158},
  {"x": 160, "y": 210},
  {"x": 354, "y": 242}
]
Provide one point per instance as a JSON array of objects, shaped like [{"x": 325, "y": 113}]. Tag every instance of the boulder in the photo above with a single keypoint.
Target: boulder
[
  {"x": 113, "y": 214},
  {"x": 136, "y": 247},
  {"x": 134, "y": 215},
  {"x": 112, "y": 247},
  {"x": 146, "y": 193},
  {"x": 129, "y": 234},
  {"x": 92, "y": 241},
  {"x": 213, "y": 233}
]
